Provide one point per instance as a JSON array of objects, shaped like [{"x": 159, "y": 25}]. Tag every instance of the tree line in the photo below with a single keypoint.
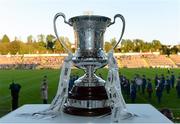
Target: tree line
[{"x": 49, "y": 44}]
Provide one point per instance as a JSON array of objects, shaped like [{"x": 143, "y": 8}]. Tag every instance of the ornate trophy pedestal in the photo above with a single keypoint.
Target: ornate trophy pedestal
[{"x": 87, "y": 101}]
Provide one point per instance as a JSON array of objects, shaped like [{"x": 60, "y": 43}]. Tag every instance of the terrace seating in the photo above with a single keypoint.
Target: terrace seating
[
  {"x": 159, "y": 61},
  {"x": 45, "y": 61},
  {"x": 31, "y": 62},
  {"x": 176, "y": 59},
  {"x": 132, "y": 61},
  {"x": 55, "y": 61}
]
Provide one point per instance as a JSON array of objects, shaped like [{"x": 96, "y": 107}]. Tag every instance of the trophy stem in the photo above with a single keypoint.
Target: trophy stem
[{"x": 90, "y": 73}]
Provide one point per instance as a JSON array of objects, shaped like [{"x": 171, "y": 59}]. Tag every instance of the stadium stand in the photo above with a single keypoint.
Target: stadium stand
[
  {"x": 131, "y": 61},
  {"x": 54, "y": 61},
  {"x": 34, "y": 61},
  {"x": 175, "y": 59},
  {"x": 159, "y": 61}
]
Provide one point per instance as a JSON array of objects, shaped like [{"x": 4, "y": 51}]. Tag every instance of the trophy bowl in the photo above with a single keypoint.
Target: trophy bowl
[{"x": 88, "y": 96}]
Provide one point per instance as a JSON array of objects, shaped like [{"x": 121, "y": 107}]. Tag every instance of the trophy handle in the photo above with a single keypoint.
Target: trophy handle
[
  {"x": 123, "y": 28},
  {"x": 55, "y": 30}
]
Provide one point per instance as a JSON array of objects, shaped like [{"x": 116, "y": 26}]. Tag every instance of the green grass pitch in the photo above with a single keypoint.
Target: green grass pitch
[{"x": 30, "y": 81}]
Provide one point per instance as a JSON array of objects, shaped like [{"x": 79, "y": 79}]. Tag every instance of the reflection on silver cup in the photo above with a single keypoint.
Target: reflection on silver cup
[{"x": 88, "y": 96}]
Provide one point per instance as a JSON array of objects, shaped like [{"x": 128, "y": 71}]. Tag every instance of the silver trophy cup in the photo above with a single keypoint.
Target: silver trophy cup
[{"x": 88, "y": 96}]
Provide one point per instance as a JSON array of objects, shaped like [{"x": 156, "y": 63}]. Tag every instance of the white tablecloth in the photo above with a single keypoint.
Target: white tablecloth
[{"x": 146, "y": 114}]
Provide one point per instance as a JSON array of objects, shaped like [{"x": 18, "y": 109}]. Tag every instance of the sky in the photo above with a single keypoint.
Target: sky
[{"x": 145, "y": 19}]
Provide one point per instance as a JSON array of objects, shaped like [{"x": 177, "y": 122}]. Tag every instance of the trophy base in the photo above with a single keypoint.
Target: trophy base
[
  {"x": 87, "y": 101},
  {"x": 86, "y": 112}
]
